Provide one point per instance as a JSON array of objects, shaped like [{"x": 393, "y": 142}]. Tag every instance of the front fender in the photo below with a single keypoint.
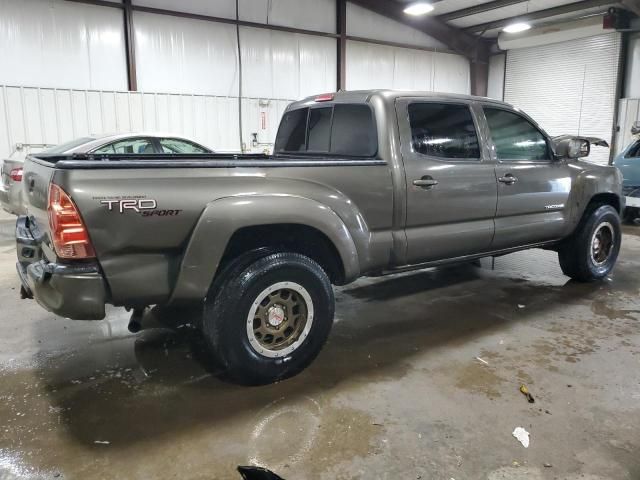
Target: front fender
[
  {"x": 223, "y": 217},
  {"x": 592, "y": 180}
]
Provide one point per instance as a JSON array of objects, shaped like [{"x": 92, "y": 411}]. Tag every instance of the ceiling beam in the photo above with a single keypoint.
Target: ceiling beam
[
  {"x": 454, "y": 38},
  {"x": 483, "y": 7},
  {"x": 539, "y": 15}
]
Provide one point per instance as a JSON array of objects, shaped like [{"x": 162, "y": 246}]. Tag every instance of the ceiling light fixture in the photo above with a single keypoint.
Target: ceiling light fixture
[
  {"x": 516, "y": 27},
  {"x": 418, "y": 8}
]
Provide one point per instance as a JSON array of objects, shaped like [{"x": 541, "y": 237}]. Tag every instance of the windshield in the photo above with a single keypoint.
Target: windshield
[{"x": 63, "y": 147}]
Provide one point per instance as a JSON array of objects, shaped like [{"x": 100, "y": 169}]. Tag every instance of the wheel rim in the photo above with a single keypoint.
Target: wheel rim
[
  {"x": 280, "y": 319},
  {"x": 602, "y": 243}
]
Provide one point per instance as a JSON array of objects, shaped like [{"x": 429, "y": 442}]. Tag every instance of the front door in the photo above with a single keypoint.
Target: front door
[
  {"x": 533, "y": 188},
  {"x": 450, "y": 180}
]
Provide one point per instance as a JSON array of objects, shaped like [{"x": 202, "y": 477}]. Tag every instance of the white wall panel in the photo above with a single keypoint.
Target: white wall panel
[
  {"x": 43, "y": 115},
  {"x": 495, "y": 87},
  {"x": 55, "y": 43},
  {"x": 318, "y": 15},
  {"x": 380, "y": 66},
  {"x": 212, "y": 8},
  {"x": 181, "y": 55},
  {"x": 281, "y": 65},
  {"x": 581, "y": 100},
  {"x": 364, "y": 23}
]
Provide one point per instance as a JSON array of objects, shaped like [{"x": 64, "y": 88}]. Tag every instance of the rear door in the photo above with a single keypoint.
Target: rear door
[
  {"x": 450, "y": 180},
  {"x": 533, "y": 188}
]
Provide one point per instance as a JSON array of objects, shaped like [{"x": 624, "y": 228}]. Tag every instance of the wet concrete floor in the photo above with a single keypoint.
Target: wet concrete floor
[{"x": 397, "y": 393}]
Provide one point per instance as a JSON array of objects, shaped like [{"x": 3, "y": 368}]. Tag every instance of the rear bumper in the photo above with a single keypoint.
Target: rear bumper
[{"x": 72, "y": 291}]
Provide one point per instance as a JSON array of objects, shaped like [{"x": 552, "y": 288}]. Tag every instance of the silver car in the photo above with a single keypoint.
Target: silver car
[{"x": 123, "y": 143}]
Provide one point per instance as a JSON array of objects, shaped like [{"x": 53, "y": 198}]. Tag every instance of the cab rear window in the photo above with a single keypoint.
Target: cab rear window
[{"x": 338, "y": 130}]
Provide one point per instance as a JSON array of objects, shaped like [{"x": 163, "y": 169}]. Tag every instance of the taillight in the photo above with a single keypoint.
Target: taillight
[
  {"x": 68, "y": 233},
  {"x": 325, "y": 97},
  {"x": 16, "y": 174}
]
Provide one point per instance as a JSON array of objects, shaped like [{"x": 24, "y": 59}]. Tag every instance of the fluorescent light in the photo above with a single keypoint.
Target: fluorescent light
[
  {"x": 516, "y": 27},
  {"x": 418, "y": 8}
]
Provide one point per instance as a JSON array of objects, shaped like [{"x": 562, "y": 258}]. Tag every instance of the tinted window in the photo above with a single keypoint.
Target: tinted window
[
  {"x": 515, "y": 137},
  {"x": 443, "y": 130},
  {"x": 129, "y": 145},
  {"x": 174, "y": 145},
  {"x": 319, "y": 129},
  {"x": 353, "y": 131},
  {"x": 292, "y": 131},
  {"x": 634, "y": 151}
]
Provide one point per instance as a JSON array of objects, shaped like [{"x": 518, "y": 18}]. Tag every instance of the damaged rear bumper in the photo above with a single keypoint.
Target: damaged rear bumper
[{"x": 75, "y": 291}]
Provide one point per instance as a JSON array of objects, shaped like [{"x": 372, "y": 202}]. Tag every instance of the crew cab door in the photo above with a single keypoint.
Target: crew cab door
[
  {"x": 533, "y": 187},
  {"x": 450, "y": 181}
]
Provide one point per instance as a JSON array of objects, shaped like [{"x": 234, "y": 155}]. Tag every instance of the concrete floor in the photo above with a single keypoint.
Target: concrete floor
[{"x": 397, "y": 393}]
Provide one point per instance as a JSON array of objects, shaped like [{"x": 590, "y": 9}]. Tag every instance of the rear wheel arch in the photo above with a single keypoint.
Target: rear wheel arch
[
  {"x": 287, "y": 237},
  {"x": 213, "y": 239}
]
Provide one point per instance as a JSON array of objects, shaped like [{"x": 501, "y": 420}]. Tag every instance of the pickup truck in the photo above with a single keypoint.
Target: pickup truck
[{"x": 360, "y": 183}]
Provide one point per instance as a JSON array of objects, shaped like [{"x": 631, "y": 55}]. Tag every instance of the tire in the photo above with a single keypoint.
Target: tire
[
  {"x": 592, "y": 250},
  {"x": 267, "y": 319}
]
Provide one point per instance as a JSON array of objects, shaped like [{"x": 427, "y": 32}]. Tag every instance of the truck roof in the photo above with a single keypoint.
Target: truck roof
[{"x": 363, "y": 96}]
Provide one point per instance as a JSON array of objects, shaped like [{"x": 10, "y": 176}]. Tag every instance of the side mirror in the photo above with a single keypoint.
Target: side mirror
[
  {"x": 635, "y": 129},
  {"x": 572, "y": 147}
]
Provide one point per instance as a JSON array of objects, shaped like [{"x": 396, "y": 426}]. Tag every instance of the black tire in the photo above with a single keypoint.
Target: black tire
[
  {"x": 576, "y": 254},
  {"x": 234, "y": 297}
]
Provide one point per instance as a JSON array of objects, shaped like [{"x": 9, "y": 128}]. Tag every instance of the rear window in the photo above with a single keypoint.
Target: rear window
[{"x": 341, "y": 129}]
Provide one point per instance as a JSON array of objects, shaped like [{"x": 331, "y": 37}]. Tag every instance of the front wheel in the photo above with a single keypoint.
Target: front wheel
[
  {"x": 269, "y": 318},
  {"x": 591, "y": 252}
]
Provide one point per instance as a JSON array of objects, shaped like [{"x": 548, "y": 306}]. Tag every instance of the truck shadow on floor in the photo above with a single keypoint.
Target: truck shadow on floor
[{"x": 153, "y": 385}]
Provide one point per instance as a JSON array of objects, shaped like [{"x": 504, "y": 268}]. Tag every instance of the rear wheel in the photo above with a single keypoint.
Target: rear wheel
[
  {"x": 591, "y": 252},
  {"x": 268, "y": 318}
]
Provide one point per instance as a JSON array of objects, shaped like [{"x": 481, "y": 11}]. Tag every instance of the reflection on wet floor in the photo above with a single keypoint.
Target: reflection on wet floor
[{"x": 396, "y": 393}]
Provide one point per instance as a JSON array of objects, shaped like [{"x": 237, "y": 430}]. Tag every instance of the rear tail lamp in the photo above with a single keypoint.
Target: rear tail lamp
[
  {"x": 68, "y": 233},
  {"x": 16, "y": 174},
  {"x": 325, "y": 97}
]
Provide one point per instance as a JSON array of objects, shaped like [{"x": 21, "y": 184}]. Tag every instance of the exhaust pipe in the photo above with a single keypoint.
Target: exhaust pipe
[{"x": 135, "y": 322}]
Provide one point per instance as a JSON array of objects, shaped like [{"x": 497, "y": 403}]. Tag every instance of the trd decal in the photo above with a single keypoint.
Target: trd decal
[
  {"x": 137, "y": 205},
  {"x": 160, "y": 213}
]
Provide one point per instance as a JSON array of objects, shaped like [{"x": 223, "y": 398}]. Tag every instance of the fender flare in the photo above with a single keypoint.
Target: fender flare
[{"x": 223, "y": 217}]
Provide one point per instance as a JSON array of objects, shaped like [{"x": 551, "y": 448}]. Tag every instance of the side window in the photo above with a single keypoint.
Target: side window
[
  {"x": 130, "y": 145},
  {"x": 443, "y": 130},
  {"x": 291, "y": 136},
  {"x": 353, "y": 131},
  {"x": 634, "y": 151},
  {"x": 319, "y": 129},
  {"x": 515, "y": 137},
  {"x": 174, "y": 145}
]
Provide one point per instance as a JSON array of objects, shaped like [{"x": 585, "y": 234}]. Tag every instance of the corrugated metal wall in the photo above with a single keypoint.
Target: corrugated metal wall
[
  {"x": 73, "y": 55},
  {"x": 568, "y": 87},
  {"x": 47, "y": 115}
]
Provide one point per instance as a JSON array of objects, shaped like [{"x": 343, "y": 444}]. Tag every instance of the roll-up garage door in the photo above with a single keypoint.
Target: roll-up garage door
[{"x": 568, "y": 87}]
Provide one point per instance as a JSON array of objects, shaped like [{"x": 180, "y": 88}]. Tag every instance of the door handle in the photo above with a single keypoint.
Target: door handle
[
  {"x": 425, "y": 182},
  {"x": 509, "y": 179}
]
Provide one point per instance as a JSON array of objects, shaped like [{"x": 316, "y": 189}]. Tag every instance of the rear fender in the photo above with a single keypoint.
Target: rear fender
[{"x": 223, "y": 217}]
